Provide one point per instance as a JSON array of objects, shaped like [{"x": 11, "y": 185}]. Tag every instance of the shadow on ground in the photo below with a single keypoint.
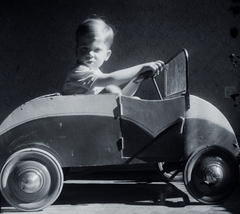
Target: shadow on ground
[
  {"x": 134, "y": 187},
  {"x": 137, "y": 194}
]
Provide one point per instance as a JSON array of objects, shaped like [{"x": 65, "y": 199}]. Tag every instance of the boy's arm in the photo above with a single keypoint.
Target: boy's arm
[
  {"x": 131, "y": 88},
  {"x": 125, "y": 75}
]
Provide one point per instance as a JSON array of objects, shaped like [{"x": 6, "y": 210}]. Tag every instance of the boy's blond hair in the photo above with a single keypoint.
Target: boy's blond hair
[{"x": 95, "y": 26}]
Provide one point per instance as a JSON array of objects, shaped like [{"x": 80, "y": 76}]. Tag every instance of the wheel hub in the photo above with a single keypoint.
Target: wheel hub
[
  {"x": 30, "y": 181},
  {"x": 213, "y": 174}
]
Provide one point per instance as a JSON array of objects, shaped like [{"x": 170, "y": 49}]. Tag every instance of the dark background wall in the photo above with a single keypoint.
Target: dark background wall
[{"x": 37, "y": 45}]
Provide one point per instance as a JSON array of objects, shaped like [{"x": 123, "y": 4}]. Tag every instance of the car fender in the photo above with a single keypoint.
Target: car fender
[{"x": 206, "y": 125}]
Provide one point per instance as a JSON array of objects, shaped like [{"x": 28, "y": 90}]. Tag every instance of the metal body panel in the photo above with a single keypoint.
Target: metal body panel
[
  {"x": 142, "y": 121},
  {"x": 98, "y": 135},
  {"x": 57, "y": 105},
  {"x": 73, "y": 128},
  {"x": 74, "y": 140},
  {"x": 206, "y": 125}
]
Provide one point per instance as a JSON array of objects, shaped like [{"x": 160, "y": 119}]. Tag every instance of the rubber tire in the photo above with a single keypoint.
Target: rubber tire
[{"x": 31, "y": 179}]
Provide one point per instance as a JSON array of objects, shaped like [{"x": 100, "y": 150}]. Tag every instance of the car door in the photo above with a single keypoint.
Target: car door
[{"x": 152, "y": 129}]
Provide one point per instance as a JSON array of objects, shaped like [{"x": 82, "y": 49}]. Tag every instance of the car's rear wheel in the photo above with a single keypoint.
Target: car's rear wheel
[
  {"x": 31, "y": 179},
  {"x": 211, "y": 175}
]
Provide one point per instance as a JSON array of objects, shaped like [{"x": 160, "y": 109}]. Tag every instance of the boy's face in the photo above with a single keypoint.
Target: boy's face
[{"x": 92, "y": 52}]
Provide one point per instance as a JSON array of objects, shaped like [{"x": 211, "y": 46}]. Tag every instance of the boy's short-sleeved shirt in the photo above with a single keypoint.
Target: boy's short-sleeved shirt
[{"x": 81, "y": 81}]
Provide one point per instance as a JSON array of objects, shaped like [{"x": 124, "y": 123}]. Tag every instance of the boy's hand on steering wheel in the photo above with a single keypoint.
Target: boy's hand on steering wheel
[
  {"x": 156, "y": 67},
  {"x": 150, "y": 69}
]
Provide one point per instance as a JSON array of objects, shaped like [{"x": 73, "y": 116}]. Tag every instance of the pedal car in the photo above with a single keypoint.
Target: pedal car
[{"x": 46, "y": 135}]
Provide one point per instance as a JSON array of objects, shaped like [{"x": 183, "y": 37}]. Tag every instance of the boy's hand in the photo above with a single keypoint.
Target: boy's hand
[
  {"x": 151, "y": 69},
  {"x": 156, "y": 67}
]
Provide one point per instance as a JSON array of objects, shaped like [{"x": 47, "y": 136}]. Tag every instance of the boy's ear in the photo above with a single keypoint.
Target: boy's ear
[{"x": 109, "y": 52}]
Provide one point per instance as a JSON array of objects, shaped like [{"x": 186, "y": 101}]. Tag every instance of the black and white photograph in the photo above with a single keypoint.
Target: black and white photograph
[{"x": 119, "y": 106}]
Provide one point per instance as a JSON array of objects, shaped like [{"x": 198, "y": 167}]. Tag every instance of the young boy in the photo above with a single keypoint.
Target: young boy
[{"x": 94, "y": 38}]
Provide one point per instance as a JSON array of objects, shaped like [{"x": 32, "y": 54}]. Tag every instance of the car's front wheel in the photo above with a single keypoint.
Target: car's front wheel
[
  {"x": 31, "y": 179},
  {"x": 211, "y": 174}
]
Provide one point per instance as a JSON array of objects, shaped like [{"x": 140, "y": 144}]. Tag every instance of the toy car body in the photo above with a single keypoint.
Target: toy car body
[{"x": 52, "y": 132}]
